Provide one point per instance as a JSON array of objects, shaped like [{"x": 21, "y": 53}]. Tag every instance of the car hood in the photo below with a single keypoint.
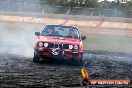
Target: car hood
[{"x": 58, "y": 40}]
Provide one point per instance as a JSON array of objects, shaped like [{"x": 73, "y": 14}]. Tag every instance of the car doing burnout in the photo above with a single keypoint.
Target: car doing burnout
[{"x": 59, "y": 41}]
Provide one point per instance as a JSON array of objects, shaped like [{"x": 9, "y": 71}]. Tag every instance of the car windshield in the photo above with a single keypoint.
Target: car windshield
[{"x": 60, "y": 31}]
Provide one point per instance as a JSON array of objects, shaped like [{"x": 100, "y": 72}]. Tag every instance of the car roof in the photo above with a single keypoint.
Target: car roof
[{"x": 61, "y": 26}]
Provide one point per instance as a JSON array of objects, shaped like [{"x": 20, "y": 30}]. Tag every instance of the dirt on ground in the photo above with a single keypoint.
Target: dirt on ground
[{"x": 19, "y": 71}]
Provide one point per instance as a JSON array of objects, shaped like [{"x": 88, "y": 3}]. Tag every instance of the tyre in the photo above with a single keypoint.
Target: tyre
[
  {"x": 80, "y": 62},
  {"x": 36, "y": 58}
]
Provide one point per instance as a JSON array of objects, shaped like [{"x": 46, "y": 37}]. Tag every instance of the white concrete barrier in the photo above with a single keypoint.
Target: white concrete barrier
[{"x": 99, "y": 24}]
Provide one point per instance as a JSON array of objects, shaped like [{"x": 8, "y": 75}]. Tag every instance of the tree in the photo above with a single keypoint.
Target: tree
[{"x": 72, "y": 3}]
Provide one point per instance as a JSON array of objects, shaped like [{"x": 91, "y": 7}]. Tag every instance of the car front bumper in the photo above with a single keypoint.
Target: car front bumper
[{"x": 58, "y": 53}]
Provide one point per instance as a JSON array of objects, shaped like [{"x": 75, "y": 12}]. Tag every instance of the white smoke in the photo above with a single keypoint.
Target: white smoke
[{"x": 18, "y": 39}]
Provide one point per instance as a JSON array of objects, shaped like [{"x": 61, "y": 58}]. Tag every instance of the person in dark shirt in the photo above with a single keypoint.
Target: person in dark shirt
[
  {"x": 50, "y": 32},
  {"x": 71, "y": 33}
]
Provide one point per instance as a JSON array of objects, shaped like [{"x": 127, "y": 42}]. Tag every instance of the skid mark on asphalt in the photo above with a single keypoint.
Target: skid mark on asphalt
[{"x": 21, "y": 71}]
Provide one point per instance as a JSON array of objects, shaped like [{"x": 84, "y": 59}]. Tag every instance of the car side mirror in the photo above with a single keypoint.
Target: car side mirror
[
  {"x": 37, "y": 33},
  {"x": 83, "y": 37}
]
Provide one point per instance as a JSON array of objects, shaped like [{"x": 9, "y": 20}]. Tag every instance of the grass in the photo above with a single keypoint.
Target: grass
[{"x": 108, "y": 43}]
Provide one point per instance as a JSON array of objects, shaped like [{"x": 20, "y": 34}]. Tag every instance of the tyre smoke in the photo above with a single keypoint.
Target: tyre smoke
[{"x": 18, "y": 38}]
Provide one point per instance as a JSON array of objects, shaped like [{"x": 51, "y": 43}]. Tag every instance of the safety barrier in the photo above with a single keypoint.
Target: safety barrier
[{"x": 92, "y": 24}]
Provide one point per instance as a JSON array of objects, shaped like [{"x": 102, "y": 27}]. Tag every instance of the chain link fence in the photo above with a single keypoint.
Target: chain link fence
[{"x": 37, "y": 7}]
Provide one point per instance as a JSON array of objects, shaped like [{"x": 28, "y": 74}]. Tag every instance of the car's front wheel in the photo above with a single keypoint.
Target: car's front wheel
[
  {"x": 80, "y": 62},
  {"x": 36, "y": 58}
]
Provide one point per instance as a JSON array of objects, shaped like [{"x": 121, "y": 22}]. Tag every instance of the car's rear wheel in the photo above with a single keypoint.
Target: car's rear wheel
[{"x": 36, "y": 58}]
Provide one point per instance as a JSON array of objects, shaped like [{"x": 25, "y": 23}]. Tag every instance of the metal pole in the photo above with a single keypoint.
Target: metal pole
[
  {"x": 92, "y": 13},
  {"x": 43, "y": 12},
  {"x": 68, "y": 11},
  {"x": 50, "y": 9},
  {"x": 115, "y": 11}
]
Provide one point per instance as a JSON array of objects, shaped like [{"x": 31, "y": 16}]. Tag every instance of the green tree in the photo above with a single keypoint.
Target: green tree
[{"x": 72, "y": 3}]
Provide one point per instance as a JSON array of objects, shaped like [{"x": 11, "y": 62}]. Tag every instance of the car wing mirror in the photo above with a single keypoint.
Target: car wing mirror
[
  {"x": 37, "y": 33},
  {"x": 83, "y": 37}
]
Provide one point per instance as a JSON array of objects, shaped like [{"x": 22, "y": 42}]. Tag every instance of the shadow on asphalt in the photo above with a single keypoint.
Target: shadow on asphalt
[{"x": 61, "y": 62}]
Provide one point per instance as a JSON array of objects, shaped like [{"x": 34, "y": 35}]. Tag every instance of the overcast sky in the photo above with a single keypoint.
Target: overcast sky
[{"x": 107, "y": 0}]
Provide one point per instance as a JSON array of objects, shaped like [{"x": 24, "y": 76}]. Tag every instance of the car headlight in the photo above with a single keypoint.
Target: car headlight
[
  {"x": 46, "y": 44},
  {"x": 70, "y": 46},
  {"x": 40, "y": 44},
  {"x": 76, "y": 47}
]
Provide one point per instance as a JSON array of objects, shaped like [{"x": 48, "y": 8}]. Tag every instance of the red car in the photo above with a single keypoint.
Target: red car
[{"x": 59, "y": 41}]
